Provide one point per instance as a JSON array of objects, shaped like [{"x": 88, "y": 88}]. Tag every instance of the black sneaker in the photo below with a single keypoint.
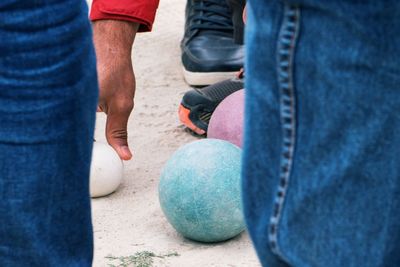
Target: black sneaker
[
  {"x": 198, "y": 105},
  {"x": 209, "y": 52}
]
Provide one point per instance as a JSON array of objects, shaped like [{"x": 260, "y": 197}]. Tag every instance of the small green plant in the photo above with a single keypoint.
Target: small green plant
[{"x": 139, "y": 259}]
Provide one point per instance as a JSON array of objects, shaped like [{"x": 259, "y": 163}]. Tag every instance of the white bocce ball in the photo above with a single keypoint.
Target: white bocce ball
[{"x": 106, "y": 170}]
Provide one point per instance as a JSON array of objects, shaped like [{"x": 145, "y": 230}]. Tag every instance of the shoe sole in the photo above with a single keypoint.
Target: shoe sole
[
  {"x": 184, "y": 117},
  {"x": 206, "y": 78}
]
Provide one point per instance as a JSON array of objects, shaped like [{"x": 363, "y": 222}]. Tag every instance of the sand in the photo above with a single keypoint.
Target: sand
[{"x": 130, "y": 220}]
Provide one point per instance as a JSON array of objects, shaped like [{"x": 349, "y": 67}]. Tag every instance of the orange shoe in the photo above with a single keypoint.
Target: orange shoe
[{"x": 197, "y": 105}]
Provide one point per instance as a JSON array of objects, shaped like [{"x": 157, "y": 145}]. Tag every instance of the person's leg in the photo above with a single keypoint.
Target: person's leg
[
  {"x": 321, "y": 170},
  {"x": 48, "y": 96},
  {"x": 262, "y": 131}
]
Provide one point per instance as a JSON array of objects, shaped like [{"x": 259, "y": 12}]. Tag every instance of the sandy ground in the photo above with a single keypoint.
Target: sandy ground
[{"x": 131, "y": 220}]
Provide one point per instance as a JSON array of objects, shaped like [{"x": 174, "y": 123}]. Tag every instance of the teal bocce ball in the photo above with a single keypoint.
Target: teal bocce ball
[{"x": 200, "y": 190}]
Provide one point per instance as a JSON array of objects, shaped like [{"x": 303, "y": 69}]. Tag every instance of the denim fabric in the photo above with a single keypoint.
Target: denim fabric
[
  {"x": 48, "y": 96},
  {"x": 321, "y": 176}
]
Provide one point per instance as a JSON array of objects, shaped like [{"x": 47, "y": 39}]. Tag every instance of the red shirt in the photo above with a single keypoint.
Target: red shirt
[{"x": 141, "y": 11}]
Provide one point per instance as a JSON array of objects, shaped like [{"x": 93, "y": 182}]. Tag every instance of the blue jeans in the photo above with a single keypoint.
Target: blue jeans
[
  {"x": 321, "y": 176},
  {"x": 48, "y": 96}
]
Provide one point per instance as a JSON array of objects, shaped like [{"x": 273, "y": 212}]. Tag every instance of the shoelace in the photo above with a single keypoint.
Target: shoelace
[{"x": 211, "y": 15}]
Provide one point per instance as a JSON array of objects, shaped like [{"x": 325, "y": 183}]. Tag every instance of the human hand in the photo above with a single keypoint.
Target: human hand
[{"x": 113, "y": 40}]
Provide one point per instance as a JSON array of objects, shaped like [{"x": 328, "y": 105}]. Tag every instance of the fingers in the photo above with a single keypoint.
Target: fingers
[{"x": 116, "y": 126}]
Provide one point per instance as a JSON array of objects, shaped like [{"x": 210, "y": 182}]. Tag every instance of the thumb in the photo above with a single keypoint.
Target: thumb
[{"x": 116, "y": 132}]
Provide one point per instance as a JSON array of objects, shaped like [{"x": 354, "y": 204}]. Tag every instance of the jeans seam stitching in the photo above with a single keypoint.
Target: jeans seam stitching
[{"x": 286, "y": 48}]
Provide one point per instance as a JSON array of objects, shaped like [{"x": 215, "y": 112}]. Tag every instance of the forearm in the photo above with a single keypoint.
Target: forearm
[{"x": 113, "y": 40}]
